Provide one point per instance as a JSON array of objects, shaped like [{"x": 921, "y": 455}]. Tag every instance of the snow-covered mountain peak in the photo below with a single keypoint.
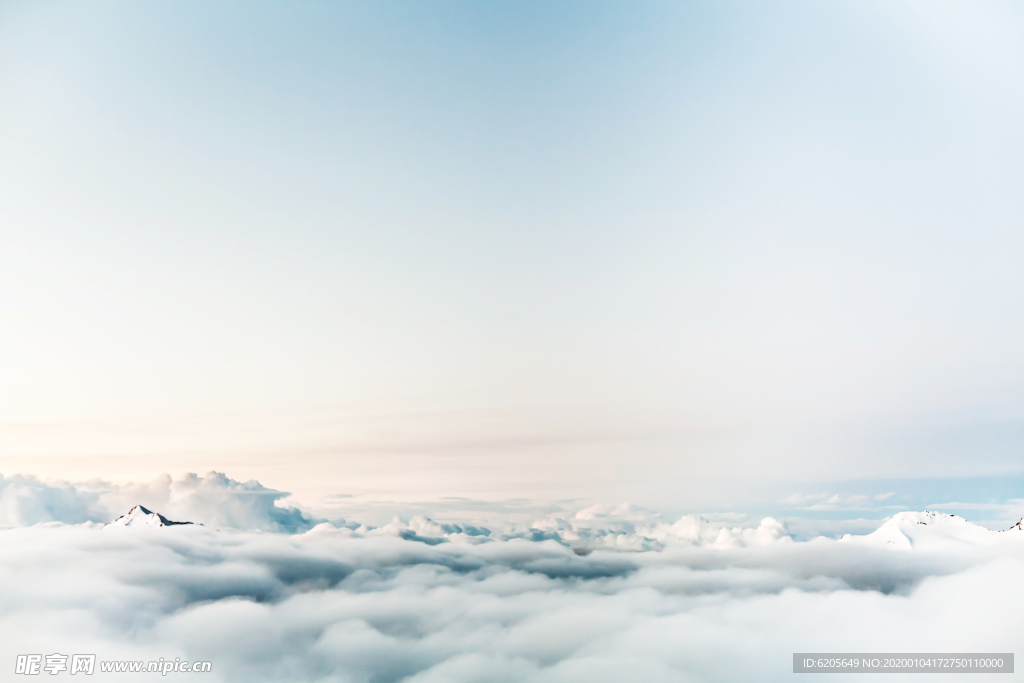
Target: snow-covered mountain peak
[
  {"x": 928, "y": 517},
  {"x": 926, "y": 530},
  {"x": 140, "y": 516}
]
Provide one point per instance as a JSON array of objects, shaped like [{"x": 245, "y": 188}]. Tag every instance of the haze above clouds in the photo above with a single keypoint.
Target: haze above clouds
[{"x": 512, "y": 250}]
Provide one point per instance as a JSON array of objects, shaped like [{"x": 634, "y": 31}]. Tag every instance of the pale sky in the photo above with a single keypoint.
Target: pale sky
[{"x": 596, "y": 250}]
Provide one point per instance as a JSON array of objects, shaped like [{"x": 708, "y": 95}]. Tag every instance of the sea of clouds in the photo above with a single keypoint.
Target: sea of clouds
[{"x": 270, "y": 593}]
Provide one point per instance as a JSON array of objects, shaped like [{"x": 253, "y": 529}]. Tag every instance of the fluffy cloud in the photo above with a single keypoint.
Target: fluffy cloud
[
  {"x": 215, "y": 500},
  {"x": 219, "y": 501},
  {"x": 420, "y": 601},
  {"x": 26, "y": 500},
  {"x": 586, "y": 531}
]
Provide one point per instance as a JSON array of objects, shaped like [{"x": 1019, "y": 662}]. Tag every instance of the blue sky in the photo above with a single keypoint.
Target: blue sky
[{"x": 657, "y": 251}]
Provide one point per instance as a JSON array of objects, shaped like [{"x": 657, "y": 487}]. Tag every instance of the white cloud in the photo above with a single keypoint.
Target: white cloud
[
  {"x": 337, "y": 604},
  {"x": 215, "y": 500},
  {"x": 417, "y": 600},
  {"x": 26, "y": 500},
  {"x": 219, "y": 501},
  {"x": 835, "y": 501}
]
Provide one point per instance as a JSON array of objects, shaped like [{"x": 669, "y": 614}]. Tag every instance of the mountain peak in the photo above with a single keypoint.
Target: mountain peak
[
  {"x": 926, "y": 530},
  {"x": 140, "y": 516}
]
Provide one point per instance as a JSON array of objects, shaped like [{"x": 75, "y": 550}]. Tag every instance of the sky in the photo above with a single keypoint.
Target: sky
[{"x": 682, "y": 254}]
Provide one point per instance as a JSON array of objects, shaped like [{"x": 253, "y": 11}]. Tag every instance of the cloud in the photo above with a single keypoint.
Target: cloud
[
  {"x": 26, "y": 500},
  {"x": 605, "y": 593},
  {"x": 215, "y": 500},
  {"x": 835, "y": 501},
  {"x": 420, "y": 600},
  {"x": 219, "y": 501},
  {"x": 335, "y": 604}
]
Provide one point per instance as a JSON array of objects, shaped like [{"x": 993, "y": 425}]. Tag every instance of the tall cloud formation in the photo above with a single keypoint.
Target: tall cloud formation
[
  {"x": 215, "y": 500},
  {"x": 420, "y": 601}
]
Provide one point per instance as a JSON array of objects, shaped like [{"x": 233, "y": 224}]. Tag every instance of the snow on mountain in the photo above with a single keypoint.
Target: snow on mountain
[
  {"x": 140, "y": 516},
  {"x": 928, "y": 531}
]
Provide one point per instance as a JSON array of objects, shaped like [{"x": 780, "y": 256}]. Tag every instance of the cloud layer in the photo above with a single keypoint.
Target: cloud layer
[
  {"x": 219, "y": 501},
  {"x": 421, "y": 601}
]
